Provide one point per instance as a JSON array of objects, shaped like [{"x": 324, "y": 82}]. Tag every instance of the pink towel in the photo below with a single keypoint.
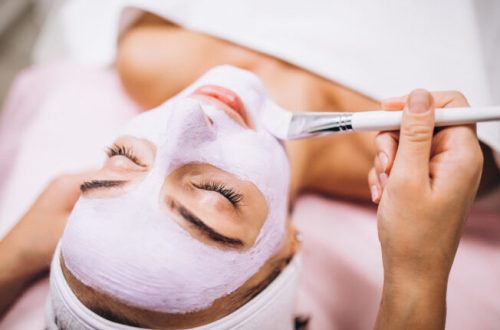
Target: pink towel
[{"x": 57, "y": 118}]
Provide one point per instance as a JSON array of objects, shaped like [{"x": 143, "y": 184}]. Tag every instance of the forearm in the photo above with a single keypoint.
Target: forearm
[
  {"x": 15, "y": 275},
  {"x": 26, "y": 251},
  {"x": 409, "y": 304}
]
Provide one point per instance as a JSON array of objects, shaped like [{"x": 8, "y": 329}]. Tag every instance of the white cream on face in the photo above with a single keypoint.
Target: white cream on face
[{"x": 129, "y": 247}]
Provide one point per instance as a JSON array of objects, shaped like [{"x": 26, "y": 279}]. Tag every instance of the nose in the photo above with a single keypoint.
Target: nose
[
  {"x": 189, "y": 123},
  {"x": 210, "y": 120}
]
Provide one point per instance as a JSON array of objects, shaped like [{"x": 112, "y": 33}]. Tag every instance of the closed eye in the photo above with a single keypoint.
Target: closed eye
[
  {"x": 121, "y": 150},
  {"x": 230, "y": 194}
]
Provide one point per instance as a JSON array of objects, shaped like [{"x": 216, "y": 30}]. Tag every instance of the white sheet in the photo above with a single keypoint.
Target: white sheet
[{"x": 379, "y": 48}]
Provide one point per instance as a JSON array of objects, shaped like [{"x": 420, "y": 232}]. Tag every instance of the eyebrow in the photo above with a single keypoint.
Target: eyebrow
[
  {"x": 208, "y": 231},
  {"x": 99, "y": 184}
]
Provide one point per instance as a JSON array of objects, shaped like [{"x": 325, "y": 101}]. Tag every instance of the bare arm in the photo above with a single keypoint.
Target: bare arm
[
  {"x": 14, "y": 274},
  {"x": 425, "y": 184},
  {"x": 26, "y": 251},
  {"x": 412, "y": 304},
  {"x": 156, "y": 60}
]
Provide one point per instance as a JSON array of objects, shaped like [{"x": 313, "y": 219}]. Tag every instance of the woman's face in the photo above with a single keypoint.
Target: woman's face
[
  {"x": 189, "y": 204},
  {"x": 214, "y": 206}
]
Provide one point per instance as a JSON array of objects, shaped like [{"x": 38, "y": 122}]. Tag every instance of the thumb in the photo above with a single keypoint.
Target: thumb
[{"x": 415, "y": 140}]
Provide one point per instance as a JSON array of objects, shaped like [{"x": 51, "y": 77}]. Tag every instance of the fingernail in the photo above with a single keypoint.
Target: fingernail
[
  {"x": 384, "y": 160},
  {"x": 374, "y": 192},
  {"x": 383, "y": 179},
  {"x": 419, "y": 101}
]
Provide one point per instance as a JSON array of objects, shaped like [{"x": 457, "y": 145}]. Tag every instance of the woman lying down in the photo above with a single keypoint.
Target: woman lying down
[
  {"x": 185, "y": 225},
  {"x": 186, "y": 222}
]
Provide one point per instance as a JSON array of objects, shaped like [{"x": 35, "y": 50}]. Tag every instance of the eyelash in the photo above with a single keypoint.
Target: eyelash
[
  {"x": 234, "y": 197},
  {"x": 121, "y": 150}
]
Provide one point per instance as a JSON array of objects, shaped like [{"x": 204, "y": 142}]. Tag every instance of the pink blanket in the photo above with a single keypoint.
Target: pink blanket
[{"x": 58, "y": 117}]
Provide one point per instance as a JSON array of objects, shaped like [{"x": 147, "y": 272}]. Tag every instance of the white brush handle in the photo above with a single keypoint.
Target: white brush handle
[{"x": 391, "y": 120}]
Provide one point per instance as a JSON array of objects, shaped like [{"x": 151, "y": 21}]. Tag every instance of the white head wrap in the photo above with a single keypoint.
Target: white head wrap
[{"x": 273, "y": 308}]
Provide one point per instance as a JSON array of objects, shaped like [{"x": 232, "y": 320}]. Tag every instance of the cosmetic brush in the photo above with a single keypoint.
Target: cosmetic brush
[{"x": 287, "y": 125}]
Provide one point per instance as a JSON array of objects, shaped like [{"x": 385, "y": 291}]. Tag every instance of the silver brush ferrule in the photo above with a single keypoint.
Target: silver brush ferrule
[{"x": 312, "y": 124}]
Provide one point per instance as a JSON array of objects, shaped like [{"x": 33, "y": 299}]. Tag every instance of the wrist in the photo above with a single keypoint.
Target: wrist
[
  {"x": 413, "y": 302},
  {"x": 423, "y": 268},
  {"x": 415, "y": 288},
  {"x": 414, "y": 284}
]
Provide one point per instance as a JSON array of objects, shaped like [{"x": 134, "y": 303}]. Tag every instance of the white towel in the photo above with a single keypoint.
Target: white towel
[{"x": 379, "y": 48}]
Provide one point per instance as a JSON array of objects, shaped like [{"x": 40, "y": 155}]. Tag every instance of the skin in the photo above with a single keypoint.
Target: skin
[
  {"x": 237, "y": 225},
  {"x": 184, "y": 187},
  {"x": 336, "y": 165},
  {"x": 424, "y": 184},
  {"x": 26, "y": 251}
]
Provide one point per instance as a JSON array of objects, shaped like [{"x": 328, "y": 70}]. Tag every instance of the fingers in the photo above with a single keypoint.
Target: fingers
[
  {"x": 442, "y": 99},
  {"x": 415, "y": 140},
  {"x": 461, "y": 141},
  {"x": 449, "y": 99},
  {"x": 386, "y": 145},
  {"x": 416, "y": 132},
  {"x": 379, "y": 173},
  {"x": 375, "y": 186}
]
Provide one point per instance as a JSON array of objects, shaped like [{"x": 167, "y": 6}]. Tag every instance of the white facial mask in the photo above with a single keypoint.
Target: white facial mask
[
  {"x": 273, "y": 308},
  {"x": 129, "y": 248}
]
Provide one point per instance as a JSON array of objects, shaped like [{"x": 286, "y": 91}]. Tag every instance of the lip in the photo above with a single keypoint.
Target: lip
[{"x": 228, "y": 98}]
